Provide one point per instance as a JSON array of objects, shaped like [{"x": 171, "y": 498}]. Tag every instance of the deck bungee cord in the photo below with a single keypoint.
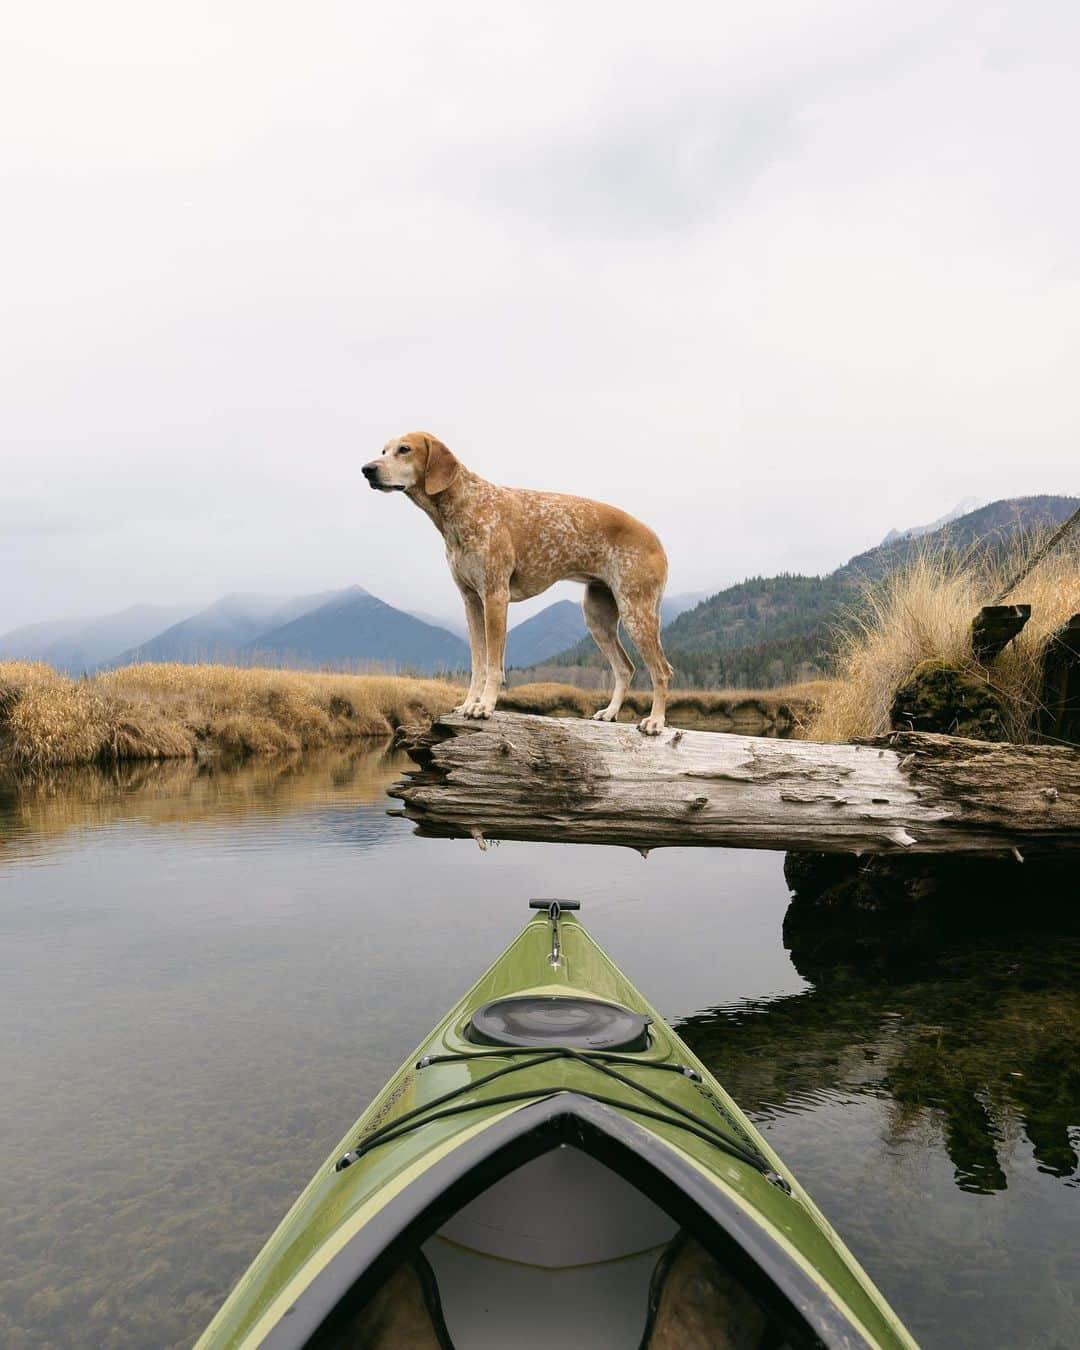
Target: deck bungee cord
[{"x": 439, "y": 1108}]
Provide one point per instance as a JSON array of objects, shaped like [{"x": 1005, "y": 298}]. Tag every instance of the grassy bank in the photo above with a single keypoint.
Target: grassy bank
[
  {"x": 923, "y": 613},
  {"x": 178, "y": 711},
  {"x": 147, "y": 712}
]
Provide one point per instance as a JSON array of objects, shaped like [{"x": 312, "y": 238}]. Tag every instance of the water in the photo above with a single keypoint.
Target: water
[{"x": 206, "y": 976}]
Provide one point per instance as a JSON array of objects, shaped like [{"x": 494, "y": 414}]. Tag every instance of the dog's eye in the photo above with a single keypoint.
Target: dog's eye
[{"x": 404, "y": 449}]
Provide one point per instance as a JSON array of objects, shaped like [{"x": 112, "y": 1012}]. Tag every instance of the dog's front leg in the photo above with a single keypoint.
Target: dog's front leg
[
  {"x": 474, "y": 616},
  {"x": 495, "y": 606}
]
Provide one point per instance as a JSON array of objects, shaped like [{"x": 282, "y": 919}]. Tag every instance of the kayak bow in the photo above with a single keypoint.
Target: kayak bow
[{"x": 554, "y": 1166}]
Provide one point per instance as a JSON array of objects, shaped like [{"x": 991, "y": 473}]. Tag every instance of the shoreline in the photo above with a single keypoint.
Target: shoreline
[{"x": 173, "y": 711}]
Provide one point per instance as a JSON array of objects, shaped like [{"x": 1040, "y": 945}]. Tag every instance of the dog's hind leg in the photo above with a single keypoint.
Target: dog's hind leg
[
  {"x": 602, "y": 616},
  {"x": 640, "y": 613}
]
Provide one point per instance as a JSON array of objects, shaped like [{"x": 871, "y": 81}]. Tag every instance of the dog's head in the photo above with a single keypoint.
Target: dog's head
[{"x": 416, "y": 462}]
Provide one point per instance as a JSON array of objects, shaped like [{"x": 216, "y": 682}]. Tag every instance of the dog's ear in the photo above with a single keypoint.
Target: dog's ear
[{"x": 441, "y": 469}]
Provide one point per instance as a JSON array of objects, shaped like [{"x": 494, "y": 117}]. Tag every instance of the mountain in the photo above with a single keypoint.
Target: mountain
[
  {"x": 555, "y": 628},
  {"x": 962, "y": 508},
  {"x": 455, "y": 623},
  {"x": 78, "y": 645},
  {"x": 772, "y": 630},
  {"x": 552, "y": 630},
  {"x": 32, "y": 639},
  {"x": 221, "y": 630},
  {"x": 992, "y": 529},
  {"x": 356, "y": 629},
  {"x": 673, "y": 605},
  {"x": 102, "y": 640}
]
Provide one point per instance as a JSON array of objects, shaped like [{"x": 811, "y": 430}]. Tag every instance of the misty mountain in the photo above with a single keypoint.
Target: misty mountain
[
  {"x": 28, "y": 642},
  {"x": 102, "y": 640},
  {"x": 78, "y": 645},
  {"x": 221, "y": 630},
  {"x": 357, "y": 629}
]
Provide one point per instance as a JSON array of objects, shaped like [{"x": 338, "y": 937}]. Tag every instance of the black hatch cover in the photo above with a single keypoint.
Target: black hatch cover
[{"x": 544, "y": 1020}]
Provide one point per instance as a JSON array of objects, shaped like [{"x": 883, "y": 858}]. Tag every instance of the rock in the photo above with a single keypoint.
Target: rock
[{"x": 938, "y": 697}]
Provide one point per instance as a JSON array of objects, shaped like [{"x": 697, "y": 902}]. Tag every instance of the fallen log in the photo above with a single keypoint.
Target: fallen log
[{"x": 569, "y": 781}]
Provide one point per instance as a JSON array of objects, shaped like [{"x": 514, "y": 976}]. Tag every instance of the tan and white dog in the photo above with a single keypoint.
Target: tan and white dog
[{"x": 508, "y": 544}]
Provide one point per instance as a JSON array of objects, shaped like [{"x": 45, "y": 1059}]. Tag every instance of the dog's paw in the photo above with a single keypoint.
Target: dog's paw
[
  {"x": 651, "y": 726},
  {"x": 607, "y": 714}
]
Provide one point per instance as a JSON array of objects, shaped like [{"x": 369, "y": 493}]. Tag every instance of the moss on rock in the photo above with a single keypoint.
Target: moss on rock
[{"x": 943, "y": 698}]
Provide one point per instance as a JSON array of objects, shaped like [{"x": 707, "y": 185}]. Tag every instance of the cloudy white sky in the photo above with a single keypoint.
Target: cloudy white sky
[{"x": 774, "y": 277}]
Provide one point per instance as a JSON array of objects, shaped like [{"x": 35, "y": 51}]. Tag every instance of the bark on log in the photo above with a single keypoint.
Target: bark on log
[{"x": 538, "y": 778}]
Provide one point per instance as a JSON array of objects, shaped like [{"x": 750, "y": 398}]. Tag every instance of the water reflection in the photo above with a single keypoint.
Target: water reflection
[
  {"x": 206, "y": 972},
  {"x": 982, "y": 1041},
  {"x": 41, "y": 814}
]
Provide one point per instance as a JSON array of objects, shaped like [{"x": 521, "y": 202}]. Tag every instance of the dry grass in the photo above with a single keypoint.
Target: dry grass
[
  {"x": 924, "y": 612},
  {"x": 178, "y": 711},
  {"x": 151, "y": 712}
]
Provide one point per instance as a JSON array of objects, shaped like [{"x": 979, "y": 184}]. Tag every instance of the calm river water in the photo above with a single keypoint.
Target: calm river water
[{"x": 205, "y": 976}]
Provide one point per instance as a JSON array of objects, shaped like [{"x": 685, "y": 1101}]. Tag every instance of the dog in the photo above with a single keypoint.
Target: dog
[{"x": 506, "y": 544}]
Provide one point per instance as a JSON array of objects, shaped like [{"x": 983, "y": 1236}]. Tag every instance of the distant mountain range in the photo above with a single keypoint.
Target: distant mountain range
[
  {"x": 767, "y": 631},
  {"x": 84, "y": 644},
  {"x": 345, "y": 629},
  {"x": 221, "y": 630},
  {"x": 763, "y": 631}
]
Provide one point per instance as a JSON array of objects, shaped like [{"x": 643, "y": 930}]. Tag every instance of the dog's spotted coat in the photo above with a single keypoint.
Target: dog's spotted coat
[{"x": 506, "y": 544}]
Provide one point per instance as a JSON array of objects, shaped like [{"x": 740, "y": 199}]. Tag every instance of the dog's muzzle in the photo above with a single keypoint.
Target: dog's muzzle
[{"x": 371, "y": 473}]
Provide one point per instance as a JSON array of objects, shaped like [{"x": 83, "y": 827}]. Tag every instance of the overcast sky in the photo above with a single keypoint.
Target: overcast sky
[{"x": 773, "y": 277}]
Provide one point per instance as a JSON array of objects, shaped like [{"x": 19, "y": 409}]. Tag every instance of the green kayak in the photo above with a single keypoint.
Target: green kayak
[{"x": 554, "y": 1167}]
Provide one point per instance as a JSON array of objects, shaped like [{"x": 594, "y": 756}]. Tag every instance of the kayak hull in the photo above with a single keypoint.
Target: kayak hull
[{"x": 458, "y": 1117}]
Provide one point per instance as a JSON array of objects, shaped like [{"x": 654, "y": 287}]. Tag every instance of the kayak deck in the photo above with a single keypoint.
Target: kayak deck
[{"x": 550, "y": 1174}]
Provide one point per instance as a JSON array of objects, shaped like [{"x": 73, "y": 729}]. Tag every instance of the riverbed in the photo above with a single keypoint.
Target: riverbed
[{"x": 208, "y": 972}]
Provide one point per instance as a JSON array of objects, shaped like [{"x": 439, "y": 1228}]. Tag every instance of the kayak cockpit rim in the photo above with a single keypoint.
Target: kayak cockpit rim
[{"x": 781, "y": 1285}]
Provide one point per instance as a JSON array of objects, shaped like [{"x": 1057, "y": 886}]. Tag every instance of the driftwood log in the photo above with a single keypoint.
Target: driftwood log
[{"x": 539, "y": 778}]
